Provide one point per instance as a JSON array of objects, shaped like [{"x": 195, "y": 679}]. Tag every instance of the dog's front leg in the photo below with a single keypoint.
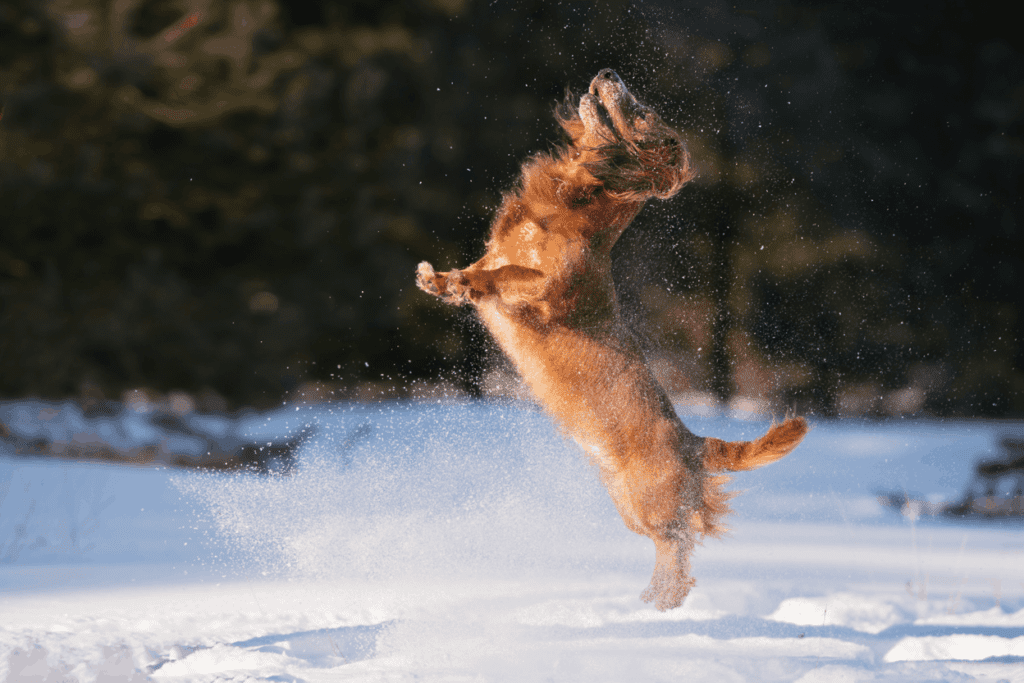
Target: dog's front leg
[
  {"x": 512, "y": 284},
  {"x": 452, "y": 287}
]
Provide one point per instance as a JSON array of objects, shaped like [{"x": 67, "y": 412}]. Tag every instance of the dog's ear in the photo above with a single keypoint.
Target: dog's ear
[
  {"x": 575, "y": 195},
  {"x": 633, "y": 173}
]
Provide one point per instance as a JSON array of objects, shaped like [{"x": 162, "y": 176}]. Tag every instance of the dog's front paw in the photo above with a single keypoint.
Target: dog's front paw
[
  {"x": 451, "y": 287},
  {"x": 427, "y": 279}
]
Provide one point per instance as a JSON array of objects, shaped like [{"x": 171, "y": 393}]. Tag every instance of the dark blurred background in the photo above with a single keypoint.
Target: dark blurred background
[{"x": 228, "y": 199}]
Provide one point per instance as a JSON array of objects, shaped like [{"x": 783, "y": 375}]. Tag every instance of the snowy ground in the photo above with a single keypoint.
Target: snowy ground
[{"x": 472, "y": 543}]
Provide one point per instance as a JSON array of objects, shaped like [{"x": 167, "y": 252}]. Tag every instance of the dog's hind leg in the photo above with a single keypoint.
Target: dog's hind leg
[{"x": 671, "y": 581}]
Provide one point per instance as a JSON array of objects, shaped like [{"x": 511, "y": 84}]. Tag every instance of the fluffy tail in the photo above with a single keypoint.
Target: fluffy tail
[{"x": 748, "y": 455}]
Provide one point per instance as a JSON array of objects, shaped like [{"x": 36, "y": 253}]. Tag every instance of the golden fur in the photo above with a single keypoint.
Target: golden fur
[{"x": 544, "y": 290}]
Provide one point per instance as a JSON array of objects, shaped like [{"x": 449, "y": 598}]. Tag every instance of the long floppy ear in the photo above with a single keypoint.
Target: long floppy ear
[
  {"x": 577, "y": 194},
  {"x": 669, "y": 167},
  {"x": 651, "y": 169}
]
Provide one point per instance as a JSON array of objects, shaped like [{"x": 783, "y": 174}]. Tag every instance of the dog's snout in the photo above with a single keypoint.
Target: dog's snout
[{"x": 607, "y": 84}]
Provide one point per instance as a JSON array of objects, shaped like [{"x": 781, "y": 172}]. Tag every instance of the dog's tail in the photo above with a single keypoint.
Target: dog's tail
[{"x": 748, "y": 455}]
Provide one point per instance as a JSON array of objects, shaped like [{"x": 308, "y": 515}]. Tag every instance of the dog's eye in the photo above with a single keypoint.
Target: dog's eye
[{"x": 584, "y": 197}]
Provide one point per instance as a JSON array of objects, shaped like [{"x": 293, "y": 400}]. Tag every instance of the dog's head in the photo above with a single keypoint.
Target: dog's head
[{"x": 633, "y": 152}]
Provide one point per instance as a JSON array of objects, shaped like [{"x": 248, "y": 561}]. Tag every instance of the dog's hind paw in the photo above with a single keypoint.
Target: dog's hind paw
[{"x": 668, "y": 595}]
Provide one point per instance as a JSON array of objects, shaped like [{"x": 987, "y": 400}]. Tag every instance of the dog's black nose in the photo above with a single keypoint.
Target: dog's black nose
[{"x": 608, "y": 74}]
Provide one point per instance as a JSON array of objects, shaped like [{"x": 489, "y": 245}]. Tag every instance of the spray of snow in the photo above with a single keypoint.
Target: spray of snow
[{"x": 494, "y": 492}]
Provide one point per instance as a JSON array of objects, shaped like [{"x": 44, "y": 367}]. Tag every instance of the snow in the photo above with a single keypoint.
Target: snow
[{"x": 471, "y": 542}]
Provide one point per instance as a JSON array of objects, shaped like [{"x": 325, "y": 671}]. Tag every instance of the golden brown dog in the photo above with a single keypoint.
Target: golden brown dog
[{"x": 544, "y": 290}]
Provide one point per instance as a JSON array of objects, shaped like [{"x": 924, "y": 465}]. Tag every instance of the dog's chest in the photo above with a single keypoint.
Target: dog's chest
[{"x": 532, "y": 245}]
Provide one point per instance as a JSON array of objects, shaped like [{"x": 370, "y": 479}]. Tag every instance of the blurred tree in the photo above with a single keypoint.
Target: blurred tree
[{"x": 233, "y": 194}]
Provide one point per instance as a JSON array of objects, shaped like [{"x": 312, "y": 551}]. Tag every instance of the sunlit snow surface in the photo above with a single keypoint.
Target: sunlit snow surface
[{"x": 471, "y": 542}]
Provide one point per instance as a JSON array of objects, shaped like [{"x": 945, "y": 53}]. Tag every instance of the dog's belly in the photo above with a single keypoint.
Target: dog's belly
[{"x": 595, "y": 384}]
